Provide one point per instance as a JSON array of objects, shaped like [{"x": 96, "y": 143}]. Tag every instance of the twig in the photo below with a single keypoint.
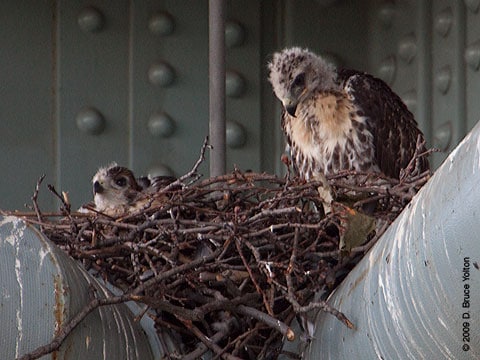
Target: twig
[
  {"x": 252, "y": 276},
  {"x": 35, "y": 199},
  {"x": 274, "y": 212},
  {"x": 267, "y": 319},
  {"x": 209, "y": 343},
  {"x": 193, "y": 173},
  {"x": 313, "y": 305},
  {"x": 322, "y": 305},
  {"x": 66, "y": 207},
  {"x": 202, "y": 348},
  {"x": 177, "y": 270},
  {"x": 71, "y": 324}
]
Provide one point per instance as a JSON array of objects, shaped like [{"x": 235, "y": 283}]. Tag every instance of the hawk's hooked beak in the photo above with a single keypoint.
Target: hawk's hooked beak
[
  {"x": 290, "y": 106},
  {"x": 293, "y": 99},
  {"x": 291, "y": 109},
  {"x": 97, "y": 188}
]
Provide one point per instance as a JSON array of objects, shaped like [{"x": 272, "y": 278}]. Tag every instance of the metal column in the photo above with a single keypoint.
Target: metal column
[{"x": 216, "y": 38}]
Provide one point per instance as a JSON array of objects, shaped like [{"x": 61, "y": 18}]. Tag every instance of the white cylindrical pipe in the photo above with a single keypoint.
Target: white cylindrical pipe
[
  {"x": 42, "y": 288},
  {"x": 416, "y": 294}
]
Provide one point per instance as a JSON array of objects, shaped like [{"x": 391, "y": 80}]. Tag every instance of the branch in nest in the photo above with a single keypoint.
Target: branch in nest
[
  {"x": 35, "y": 199},
  {"x": 57, "y": 341},
  {"x": 414, "y": 164},
  {"x": 193, "y": 173},
  {"x": 267, "y": 319}
]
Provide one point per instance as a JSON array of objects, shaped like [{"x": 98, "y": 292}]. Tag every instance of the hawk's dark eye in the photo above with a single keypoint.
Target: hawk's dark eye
[
  {"x": 299, "y": 80},
  {"x": 121, "y": 181}
]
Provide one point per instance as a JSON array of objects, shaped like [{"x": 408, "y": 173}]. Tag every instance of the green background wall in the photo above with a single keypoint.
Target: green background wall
[{"x": 84, "y": 83}]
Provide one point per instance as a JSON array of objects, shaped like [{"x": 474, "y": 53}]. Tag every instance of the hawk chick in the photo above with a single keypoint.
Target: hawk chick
[
  {"x": 117, "y": 192},
  {"x": 338, "y": 119}
]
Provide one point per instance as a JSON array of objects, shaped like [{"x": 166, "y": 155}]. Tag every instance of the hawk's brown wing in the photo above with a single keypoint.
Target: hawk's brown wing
[{"x": 393, "y": 125}]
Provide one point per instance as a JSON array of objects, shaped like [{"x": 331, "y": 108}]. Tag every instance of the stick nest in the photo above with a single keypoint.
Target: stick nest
[{"x": 225, "y": 264}]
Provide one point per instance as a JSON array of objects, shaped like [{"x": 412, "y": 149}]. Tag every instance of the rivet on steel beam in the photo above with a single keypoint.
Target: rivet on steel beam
[
  {"x": 236, "y": 135},
  {"x": 472, "y": 55},
  {"x": 443, "y": 136},
  {"x": 161, "y": 74},
  {"x": 235, "y": 84},
  {"x": 90, "y": 121},
  {"x": 410, "y": 99},
  {"x": 91, "y": 20},
  {"x": 160, "y": 170},
  {"x": 161, "y": 23},
  {"x": 387, "y": 70},
  {"x": 443, "y": 79},
  {"x": 407, "y": 48},
  {"x": 472, "y": 5},
  {"x": 161, "y": 124},
  {"x": 443, "y": 21},
  {"x": 234, "y": 34},
  {"x": 386, "y": 13}
]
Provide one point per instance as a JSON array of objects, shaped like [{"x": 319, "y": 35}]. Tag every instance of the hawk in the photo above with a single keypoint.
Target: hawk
[
  {"x": 117, "y": 192},
  {"x": 340, "y": 119}
]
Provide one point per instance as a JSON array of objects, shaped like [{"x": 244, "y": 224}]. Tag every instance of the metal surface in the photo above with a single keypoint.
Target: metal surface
[
  {"x": 42, "y": 288},
  {"x": 216, "y": 60},
  {"x": 399, "y": 40},
  {"x": 183, "y": 44},
  {"x": 448, "y": 73},
  {"x": 60, "y": 57},
  {"x": 90, "y": 71},
  {"x": 27, "y": 145},
  {"x": 416, "y": 293}
]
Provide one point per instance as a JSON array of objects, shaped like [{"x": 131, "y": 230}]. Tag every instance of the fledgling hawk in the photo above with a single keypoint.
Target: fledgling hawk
[
  {"x": 117, "y": 192},
  {"x": 338, "y": 119}
]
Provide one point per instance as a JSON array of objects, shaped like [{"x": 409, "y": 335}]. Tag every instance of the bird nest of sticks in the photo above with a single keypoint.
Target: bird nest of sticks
[{"x": 227, "y": 263}]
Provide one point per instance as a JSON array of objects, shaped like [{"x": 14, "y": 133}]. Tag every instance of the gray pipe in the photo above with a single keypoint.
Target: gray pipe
[
  {"x": 416, "y": 294},
  {"x": 42, "y": 288},
  {"x": 216, "y": 60}
]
